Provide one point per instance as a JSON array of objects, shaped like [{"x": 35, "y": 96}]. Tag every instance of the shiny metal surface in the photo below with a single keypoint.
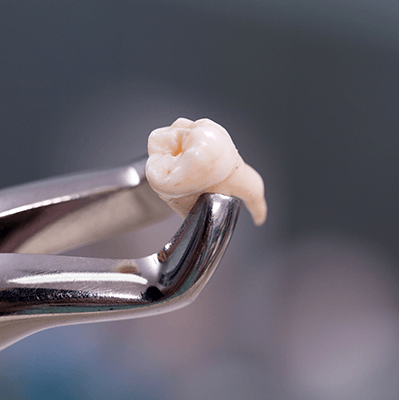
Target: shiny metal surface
[
  {"x": 40, "y": 291},
  {"x": 53, "y": 215}
]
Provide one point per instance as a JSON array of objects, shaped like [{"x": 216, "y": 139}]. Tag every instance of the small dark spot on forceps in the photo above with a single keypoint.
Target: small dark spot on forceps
[{"x": 152, "y": 294}]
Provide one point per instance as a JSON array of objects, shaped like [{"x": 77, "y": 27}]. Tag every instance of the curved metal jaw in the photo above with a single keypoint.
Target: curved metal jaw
[{"x": 39, "y": 291}]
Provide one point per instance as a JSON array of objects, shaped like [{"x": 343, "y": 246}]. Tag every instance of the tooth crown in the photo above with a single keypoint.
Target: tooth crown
[{"x": 189, "y": 156}]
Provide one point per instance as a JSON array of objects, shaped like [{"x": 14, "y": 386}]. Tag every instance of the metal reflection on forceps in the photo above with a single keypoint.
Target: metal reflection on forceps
[{"x": 40, "y": 290}]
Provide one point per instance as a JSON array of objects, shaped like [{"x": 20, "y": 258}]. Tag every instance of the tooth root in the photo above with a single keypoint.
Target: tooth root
[{"x": 244, "y": 183}]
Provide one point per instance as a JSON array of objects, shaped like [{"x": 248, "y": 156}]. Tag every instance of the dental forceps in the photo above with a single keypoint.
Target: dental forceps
[{"x": 40, "y": 290}]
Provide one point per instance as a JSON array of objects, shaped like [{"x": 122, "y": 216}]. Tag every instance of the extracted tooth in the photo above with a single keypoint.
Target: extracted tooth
[{"x": 189, "y": 158}]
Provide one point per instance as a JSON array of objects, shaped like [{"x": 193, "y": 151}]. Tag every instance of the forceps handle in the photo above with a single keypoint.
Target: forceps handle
[{"x": 53, "y": 215}]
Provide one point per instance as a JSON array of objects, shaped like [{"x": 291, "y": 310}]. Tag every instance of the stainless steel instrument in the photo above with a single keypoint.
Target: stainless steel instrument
[{"x": 40, "y": 290}]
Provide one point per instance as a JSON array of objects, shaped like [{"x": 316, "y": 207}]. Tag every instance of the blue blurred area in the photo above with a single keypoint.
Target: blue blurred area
[
  {"x": 76, "y": 369},
  {"x": 303, "y": 308}
]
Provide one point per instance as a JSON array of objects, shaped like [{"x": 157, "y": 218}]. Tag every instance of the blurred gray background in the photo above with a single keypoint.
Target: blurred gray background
[{"x": 307, "y": 306}]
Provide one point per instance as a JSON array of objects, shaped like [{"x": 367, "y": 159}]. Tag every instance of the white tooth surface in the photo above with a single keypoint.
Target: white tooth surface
[{"x": 189, "y": 158}]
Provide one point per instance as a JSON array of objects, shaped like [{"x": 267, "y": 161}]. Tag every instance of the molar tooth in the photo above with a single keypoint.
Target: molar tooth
[{"x": 194, "y": 157}]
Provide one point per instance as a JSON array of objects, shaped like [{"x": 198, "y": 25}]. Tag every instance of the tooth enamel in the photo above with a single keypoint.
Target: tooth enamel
[{"x": 194, "y": 157}]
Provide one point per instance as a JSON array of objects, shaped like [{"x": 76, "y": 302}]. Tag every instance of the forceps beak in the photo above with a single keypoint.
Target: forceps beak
[{"x": 40, "y": 291}]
